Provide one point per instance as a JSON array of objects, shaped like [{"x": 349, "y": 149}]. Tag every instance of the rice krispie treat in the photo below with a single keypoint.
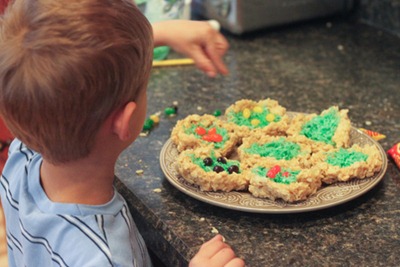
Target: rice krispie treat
[
  {"x": 328, "y": 130},
  {"x": 262, "y": 149},
  {"x": 340, "y": 165},
  {"x": 204, "y": 131},
  {"x": 266, "y": 116},
  {"x": 284, "y": 183},
  {"x": 209, "y": 170}
]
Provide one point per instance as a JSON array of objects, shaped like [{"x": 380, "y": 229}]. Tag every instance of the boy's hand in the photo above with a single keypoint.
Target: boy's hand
[
  {"x": 195, "y": 39},
  {"x": 215, "y": 253}
]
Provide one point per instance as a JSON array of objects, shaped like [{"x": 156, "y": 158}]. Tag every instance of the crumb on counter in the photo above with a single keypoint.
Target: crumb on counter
[{"x": 139, "y": 172}]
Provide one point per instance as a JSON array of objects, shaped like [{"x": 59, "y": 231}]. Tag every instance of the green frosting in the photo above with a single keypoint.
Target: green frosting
[
  {"x": 279, "y": 178},
  {"x": 280, "y": 149},
  {"x": 322, "y": 127},
  {"x": 221, "y": 131},
  {"x": 345, "y": 157},
  {"x": 237, "y": 118},
  {"x": 200, "y": 163}
]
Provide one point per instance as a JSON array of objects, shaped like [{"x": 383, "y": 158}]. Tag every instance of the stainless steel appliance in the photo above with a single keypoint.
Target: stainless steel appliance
[{"x": 240, "y": 16}]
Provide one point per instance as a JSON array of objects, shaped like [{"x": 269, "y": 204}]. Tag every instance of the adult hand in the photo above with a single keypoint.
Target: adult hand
[{"x": 195, "y": 39}]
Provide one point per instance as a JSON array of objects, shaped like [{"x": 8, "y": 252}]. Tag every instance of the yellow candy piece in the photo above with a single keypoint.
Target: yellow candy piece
[
  {"x": 270, "y": 117},
  {"x": 155, "y": 118},
  {"x": 258, "y": 109},
  {"x": 246, "y": 113},
  {"x": 255, "y": 122}
]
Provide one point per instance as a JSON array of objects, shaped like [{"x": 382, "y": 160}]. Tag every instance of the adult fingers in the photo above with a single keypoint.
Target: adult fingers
[
  {"x": 203, "y": 62},
  {"x": 215, "y": 49}
]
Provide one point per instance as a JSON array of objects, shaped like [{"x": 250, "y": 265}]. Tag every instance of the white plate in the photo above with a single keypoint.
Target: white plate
[{"x": 325, "y": 197}]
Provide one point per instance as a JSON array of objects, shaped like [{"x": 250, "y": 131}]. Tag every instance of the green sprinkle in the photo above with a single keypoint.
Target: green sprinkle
[
  {"x": 345, "y": 157},
  {"x": 322, "y": 128},
  {"x": 279, "y": 149}
]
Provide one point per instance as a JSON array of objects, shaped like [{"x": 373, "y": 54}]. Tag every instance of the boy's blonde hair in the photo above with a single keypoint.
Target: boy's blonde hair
[{"x": 65, "y": 66}]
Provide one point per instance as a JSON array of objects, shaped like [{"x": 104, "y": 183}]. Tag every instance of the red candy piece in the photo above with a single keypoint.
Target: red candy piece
[
  {"x": 271, "y": 174},
  {"x": 273, "y": 171},
  {"x": 276, "y": 169},
  {"x": 394, "y": 152},
  {"x": 212, "y": 131},
  {"x": 212, "y": 137},
  {"x": 286, "y": 174},
  {"x": 201, "y": 131}
]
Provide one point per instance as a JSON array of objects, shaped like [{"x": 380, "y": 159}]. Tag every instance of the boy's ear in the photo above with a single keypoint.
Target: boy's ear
[{"x": 121, "y": 124}]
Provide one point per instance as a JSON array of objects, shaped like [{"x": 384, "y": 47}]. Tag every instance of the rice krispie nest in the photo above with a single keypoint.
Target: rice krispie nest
[
  {"x": 325, "y": 131},
  {"x": 197, "y": 131},
  {"x": 263, "y": 149},
  {"x": 211, "y": 171},
  {"x": 293, "y": 186},
  {"x": 265, "y": 116},
  {"x": 341, "y": 164},
  {"x": 277, "y": 156}
]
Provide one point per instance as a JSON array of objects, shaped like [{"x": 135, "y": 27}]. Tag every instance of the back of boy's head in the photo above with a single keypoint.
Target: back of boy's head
[{"x": 65, "y": 66}]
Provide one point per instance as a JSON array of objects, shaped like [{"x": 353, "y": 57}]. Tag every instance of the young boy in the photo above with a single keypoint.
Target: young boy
[{"x": 73, "y": 77}]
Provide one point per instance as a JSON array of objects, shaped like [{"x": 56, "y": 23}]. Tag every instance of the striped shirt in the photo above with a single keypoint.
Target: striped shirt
[{"x": 45, "y": 233}]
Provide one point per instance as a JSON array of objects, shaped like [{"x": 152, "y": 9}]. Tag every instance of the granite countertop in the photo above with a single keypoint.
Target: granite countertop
[{"x": 307, "y": 67}]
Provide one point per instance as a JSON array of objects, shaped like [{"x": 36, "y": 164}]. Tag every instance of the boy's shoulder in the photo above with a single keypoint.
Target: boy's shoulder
[
  {"x": 19, "y": 155},
  {"x": 17, "y": 146}
]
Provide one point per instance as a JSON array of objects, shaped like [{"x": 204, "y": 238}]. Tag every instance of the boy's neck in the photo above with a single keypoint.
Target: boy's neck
[{"x": 80, "y": 182}]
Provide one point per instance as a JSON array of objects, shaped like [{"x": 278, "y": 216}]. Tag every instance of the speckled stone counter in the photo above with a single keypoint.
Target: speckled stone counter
[{"x": 306, "y": 67}]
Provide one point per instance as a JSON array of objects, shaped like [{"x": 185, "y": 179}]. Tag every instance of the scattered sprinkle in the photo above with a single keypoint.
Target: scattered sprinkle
[
  {"x": 148, "y": 124},
  {"x": 175, "y": 103},
  {"x": 157, "y": 190},
  {"x": 139, "y": 172},
  {"x": 217, "y": 113},
  {"x": 202, "y": 219},
  {"x": 368, "y": 123},
  {"x": 155, "y": 118},
  {"x": 340, "y": 47},
  {"x": 143, "y": 134},
  {"x": 170, "y": 111},
  {"x": 199, "y": 108},
  {"x": 214, "y": 230}
]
